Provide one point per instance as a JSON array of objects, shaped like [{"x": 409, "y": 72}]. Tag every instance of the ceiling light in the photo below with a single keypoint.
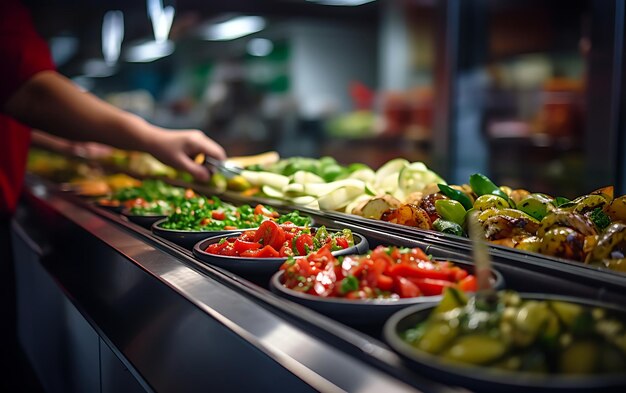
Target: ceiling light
[
  {"x": 234, "y": 28},
  {"x": 112, "y": 36},
  {"x": 260, "y": 47},
  {"x": 341, "y": 2},
  {"x": 161, "y": 19},
  {"x": 149, "y": 51}
]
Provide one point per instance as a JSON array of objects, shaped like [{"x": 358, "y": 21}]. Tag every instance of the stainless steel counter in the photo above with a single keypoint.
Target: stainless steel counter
[{"x": 175, "y": 324}]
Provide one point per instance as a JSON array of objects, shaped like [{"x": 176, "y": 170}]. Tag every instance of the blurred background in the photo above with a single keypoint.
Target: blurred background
[{"x": 529, "y": 92}]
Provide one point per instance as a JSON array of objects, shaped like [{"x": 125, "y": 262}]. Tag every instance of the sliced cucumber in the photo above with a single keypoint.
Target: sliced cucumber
[
  {"x": 265, "y": 178},
  {"x": 416, "y": 176},
  {"x": 303, "y": 200},
  {"x": 293, "y": 189},
  {"x": 319, "y": 189},
  {"x": 272, "y": 192},
  {"x": 339, "y": 198},
  {"x": 386, "y": 180},
  {"x": 304, "y": 177},
  {"x": 370, "y": 189},
  {"x": 366, "y": 175}
]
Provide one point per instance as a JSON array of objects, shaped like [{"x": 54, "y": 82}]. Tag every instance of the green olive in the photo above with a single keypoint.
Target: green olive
[
  {"x": 531, "y": 318},
  {"x": 579, "y": 358},
  {"x": 475, "y": 349},
  {"x": 437, "y": 336}
]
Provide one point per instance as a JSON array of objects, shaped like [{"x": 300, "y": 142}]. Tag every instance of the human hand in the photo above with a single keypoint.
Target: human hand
[
  {"x": 90, "y": 150},
  {"x": 178, "y": 148}
]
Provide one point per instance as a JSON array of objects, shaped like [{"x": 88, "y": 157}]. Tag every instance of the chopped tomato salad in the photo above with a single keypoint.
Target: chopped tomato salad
[
  {"x": 386, "y": 272},
  {"x": 273, "y": 240}
]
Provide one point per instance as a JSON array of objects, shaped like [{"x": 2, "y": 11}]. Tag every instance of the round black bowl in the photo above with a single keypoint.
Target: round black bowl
[
  {"x": 115, "y": 209},
  {"x": 367, "y": 311},
  {"x": 490, "y": 380},
  {"x": 144, "y": 220},
  {"x": 261, "y": 266},
  {"x": 187, "y": 239}
]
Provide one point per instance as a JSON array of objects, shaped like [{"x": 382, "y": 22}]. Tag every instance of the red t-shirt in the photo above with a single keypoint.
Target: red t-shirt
[{"x": 22, "y": 54}]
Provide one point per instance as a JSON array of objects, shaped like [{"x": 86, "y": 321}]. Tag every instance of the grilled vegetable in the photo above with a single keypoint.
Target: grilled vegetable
[
  {"x": 482, "y": 185},
  {"x": 456, "y": 195}
]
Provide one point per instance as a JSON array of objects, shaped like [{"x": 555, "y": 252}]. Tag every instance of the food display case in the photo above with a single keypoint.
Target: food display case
[{"x": 121, "y": 309}]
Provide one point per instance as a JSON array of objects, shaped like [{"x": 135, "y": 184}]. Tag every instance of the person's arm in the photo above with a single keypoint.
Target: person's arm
[
  {"x": 88, "y": 150},
  {"x": 51, "y": 102}
]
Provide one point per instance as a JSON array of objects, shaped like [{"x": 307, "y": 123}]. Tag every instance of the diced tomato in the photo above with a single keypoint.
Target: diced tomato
[
  {"x": 429, "y": 286},
  {"x": 285, "y": 250},
  {"x": 375, "y": 271},
  {"x": 242, "y": 245},
  {"x": 342, "y": 242},
  {"x": 458, "y": 274},
  {"x": 262, "y": 210},
  {"x": 418, "y": 253},
  {"x": 229, "y": 250},
  {"x": 265, "y": 252},
  {"x": 385, "y": 283},
  {"x": 218, "y": 215},
  {"x": 304, "y": 244},
  {"x": 356, "y": 295},
  {"x": 381, "y": 252},
  {"x": 406, "y": 288},
  {"x": 468, "y": 284},
  {"x": 270, "y": 234},
  {"x": 268, "y": 252},
  {"x": 413, "y": 270},
  {"x": 205, "y": 221},
  {"x": 322, "y": 256},
  {"x": 215, "y": 248}
]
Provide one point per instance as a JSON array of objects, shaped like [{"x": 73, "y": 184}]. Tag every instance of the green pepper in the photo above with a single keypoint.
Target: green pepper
[
  {"x": 349, "y": 284},
  {"x": 536, "y": 205},
  {"x": 450, "y": 210},
  {"x": 456, "y": 195},
  {"x": 482, "y": 185},
  {"x": 446, "y": 226},
  {"x": 559, "y": 201}
]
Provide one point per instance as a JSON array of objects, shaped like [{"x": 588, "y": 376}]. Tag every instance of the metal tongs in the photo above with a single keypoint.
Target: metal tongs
[
  {"x": 485, "y": 293},
  {"x": 224, "y": 167}
]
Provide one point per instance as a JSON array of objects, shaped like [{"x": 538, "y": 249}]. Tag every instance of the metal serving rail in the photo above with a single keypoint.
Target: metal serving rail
[{"x": 175, "y": 324}]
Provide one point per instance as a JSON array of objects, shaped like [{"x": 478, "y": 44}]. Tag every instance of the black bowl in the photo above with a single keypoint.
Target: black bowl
[
  {"x": 261, "y": 266},
  {"x": 115, "y": 209},
  {"x": 144, "y": 220},
  {"x": 364, "y": 312},
  {"x": 490, "y": 380},
  {"x": 187, "y": 239}
]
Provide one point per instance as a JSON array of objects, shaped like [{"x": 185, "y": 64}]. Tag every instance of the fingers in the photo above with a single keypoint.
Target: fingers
[
  {"x": 200, "y": 143},
  {"x": 178, "y": 149},
  {"x": 199, "y": 172}
]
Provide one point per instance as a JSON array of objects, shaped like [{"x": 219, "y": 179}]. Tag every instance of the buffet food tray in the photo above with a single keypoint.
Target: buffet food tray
[{"x": 524, "y": 272}]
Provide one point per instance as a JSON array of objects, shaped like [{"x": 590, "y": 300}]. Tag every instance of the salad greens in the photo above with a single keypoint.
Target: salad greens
[{"x": 212, "y": 214}]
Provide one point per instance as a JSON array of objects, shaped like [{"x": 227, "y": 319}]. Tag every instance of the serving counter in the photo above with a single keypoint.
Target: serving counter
[{"x": 106, "y": 306}]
